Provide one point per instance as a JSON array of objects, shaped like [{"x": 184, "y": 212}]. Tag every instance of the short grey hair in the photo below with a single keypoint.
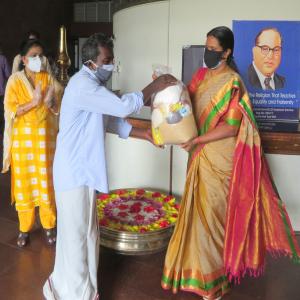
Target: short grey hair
[{"x": 90, "y": 49}]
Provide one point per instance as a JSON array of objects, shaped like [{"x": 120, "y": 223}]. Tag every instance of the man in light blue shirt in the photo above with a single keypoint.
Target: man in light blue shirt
[{"x": 88, "y": 109}]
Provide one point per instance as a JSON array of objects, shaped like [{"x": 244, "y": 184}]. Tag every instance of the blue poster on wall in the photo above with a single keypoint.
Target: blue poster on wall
[{"x": 267, "y": 54}]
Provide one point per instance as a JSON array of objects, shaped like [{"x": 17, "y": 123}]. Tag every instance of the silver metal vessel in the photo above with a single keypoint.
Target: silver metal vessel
[{"x": 134, "y": 243}]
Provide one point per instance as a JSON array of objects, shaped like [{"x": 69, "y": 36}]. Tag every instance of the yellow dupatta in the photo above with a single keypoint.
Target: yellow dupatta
[{"x": 19, "y": 91}]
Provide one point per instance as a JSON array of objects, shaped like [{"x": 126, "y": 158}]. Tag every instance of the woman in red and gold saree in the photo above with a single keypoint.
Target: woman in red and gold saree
[{"x": 231, "y": 213}]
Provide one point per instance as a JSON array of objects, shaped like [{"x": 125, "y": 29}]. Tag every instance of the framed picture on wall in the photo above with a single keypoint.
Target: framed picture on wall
[{"x": 267, "y": 54}]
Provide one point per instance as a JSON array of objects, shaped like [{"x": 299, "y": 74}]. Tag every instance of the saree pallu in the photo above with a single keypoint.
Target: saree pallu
[{"x": 230, "y": 214}]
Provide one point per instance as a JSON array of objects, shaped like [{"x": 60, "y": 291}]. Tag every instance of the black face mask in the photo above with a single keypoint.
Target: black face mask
[{"x": 212, "y": 58}]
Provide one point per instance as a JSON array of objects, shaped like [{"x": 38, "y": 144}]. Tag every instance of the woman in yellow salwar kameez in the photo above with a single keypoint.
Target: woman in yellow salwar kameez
[
  {"x": 31, "y": 106},
  {"x": 230, "y": 213}
]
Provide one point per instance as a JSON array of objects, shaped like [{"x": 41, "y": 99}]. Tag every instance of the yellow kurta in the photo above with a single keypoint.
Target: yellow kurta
[{"x": 29, "y": 144}]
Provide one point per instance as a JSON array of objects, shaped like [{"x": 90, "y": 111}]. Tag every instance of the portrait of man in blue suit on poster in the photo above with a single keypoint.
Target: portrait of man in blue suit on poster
[
  {"x": 267, "y": 54},
  {"x": 266, "y": 60}
]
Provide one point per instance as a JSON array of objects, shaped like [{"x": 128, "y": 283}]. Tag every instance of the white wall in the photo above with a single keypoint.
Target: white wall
[
  {"x": 155, "y": 33},
  {"x": 135, "y": 163},
  {"x": 141, "y": 34},
  {"x": 286, "y": 173},
  {"x": 190, "y": 20},
  {"x": 141, "y": 39}
]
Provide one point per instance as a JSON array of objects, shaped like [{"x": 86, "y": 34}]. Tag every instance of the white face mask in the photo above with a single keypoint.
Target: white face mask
[{"x": 34, "y": 64}]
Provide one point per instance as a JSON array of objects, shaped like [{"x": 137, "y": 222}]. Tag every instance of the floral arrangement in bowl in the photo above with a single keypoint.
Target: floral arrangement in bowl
[{"x": 133, "y": 210}]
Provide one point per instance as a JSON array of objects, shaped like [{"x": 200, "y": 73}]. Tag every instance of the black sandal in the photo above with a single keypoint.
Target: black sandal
[
  {"x": 23, "y": 239},
  {"x": 50, "y": 236}
]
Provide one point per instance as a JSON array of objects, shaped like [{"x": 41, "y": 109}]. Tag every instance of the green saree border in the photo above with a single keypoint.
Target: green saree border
[{"x": 194, "y": 282}]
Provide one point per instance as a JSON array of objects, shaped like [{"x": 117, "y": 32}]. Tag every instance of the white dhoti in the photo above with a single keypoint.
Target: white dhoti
[{"x": 77, "y": 250}]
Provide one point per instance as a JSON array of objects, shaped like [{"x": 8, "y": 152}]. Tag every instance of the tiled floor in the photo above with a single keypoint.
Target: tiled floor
[{"x": 23, "y": 271}]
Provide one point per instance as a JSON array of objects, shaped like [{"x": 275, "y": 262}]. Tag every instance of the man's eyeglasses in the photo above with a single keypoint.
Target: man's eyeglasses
[{"x": 265, "y": 50}]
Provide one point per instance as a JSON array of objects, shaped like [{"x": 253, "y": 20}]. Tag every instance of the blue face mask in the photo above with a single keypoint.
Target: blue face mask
[{"x": 104, "y": 72}]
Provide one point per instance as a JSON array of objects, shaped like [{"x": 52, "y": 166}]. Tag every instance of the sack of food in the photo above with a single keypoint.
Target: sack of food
[{"x": 172, "y": 117}]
